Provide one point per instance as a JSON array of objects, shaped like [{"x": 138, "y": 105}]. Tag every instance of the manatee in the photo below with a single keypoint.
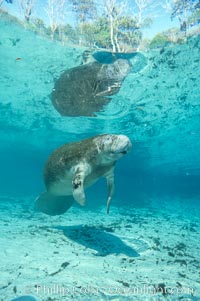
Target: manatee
[
  {"x": 75, "y": 166},
  {"x": 86, "y": 89}
]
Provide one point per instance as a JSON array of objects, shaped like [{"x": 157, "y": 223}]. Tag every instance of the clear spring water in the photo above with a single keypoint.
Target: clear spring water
[{"x": 158, "y": 107}]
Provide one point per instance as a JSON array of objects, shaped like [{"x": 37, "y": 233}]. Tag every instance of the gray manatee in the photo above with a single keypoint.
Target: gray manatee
[
  {"x": 86, "y": 89},
  {"x": 75, "y": 166}
]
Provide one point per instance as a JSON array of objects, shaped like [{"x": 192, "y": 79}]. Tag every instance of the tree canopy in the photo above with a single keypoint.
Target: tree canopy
[
  {"x": 187, "y": 12},
  {"x": 116, "y": 25}
]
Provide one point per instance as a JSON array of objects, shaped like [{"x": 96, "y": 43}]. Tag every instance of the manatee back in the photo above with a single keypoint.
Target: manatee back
[
  {"x": 74, "y": 93},
  {"x": 67, "y": 156}
]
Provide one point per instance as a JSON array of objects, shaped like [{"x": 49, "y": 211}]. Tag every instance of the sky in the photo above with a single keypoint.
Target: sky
[
  {"x": 161, "y": 18},
  {"x": 161, "y": 23}
]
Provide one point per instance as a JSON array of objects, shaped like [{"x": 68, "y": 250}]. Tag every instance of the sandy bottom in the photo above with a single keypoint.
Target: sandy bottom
[{"x": 131, "y": 254}]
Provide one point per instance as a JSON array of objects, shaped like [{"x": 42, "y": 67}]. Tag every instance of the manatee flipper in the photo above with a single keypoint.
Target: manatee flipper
[
  {"x": 111, "y": 187},
  {"x": 52, "y": 204},
  {"x": 78, "y": 188}
]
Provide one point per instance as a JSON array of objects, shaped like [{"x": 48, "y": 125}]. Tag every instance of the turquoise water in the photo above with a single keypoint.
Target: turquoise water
[{"x": 157, "y": 183}]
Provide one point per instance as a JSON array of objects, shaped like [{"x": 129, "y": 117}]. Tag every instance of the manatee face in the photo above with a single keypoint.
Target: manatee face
[
  {"x": 116, "y": 71},
  {"x": 122, "y": 68},
  {"x": 115, "y": 146}
]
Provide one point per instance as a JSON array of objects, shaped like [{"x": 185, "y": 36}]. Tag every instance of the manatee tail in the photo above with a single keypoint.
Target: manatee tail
[{"x": 53, "y": 205}]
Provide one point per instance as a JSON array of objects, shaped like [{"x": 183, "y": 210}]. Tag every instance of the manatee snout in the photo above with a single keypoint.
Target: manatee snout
[{"x": 118, "y": 70}]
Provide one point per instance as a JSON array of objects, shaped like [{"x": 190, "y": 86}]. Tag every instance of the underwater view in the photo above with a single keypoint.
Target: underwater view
[{"x": 99, "y": 152}]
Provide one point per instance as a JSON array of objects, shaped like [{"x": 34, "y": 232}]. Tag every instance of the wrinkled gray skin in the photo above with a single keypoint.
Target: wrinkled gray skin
[
  {"x": 84, "y": 90},
  {"x": 75, "y": 166}
]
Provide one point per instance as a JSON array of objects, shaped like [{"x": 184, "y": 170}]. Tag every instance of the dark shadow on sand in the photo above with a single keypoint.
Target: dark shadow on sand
[{"x": 98, "y": 239}]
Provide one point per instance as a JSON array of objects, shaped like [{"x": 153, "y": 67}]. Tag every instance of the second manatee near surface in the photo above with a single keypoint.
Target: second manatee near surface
[{"x": 86, "y": 89}]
